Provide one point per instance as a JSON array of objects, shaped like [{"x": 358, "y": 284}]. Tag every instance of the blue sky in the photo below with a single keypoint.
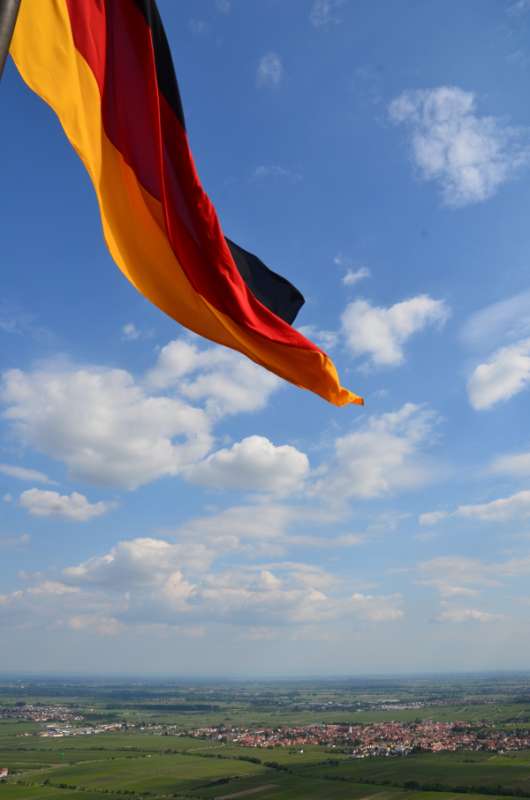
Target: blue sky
[{"x": 169, "y": 507}]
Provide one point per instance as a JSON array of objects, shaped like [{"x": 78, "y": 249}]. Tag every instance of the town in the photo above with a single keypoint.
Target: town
[
  {"x": 377, "y": 739},
  {"x": 389, "y": 738},
  {"x": 39, "y": 712}
]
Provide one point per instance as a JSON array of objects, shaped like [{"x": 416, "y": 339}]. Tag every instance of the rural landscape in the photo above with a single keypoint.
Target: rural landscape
[
  {"x": 420, "y": 738},
  {"x": 264, "y": 383}
]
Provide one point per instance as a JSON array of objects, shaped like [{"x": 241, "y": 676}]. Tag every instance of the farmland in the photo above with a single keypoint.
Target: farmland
[{"x": 150, "y": 742}]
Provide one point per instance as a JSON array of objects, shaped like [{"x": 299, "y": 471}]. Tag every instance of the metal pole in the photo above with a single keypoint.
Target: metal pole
[{"x": 8, "y": 18}]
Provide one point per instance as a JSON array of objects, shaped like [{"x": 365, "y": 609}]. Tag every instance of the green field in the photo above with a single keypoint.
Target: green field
[
  {"x": 450, "y": 771},
  {"x": 163, "y": 762},
  {"x": 24, "y": 792},
  {"x": 110, "y": 766}
]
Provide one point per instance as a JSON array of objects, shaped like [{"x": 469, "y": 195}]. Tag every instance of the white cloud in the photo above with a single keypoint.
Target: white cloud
[
  {"x": 505, "y": 374},
  {"x": 519, "y": 7},
  {"x": 268, "y": 528},
  {"x": 103, "y": 425},
  {"x": 381, "y": 333},
  {"x": 384, "y": 457},
  {"x": 454, "y": 576},
  {"x": 506, "y": 321},
  {"x": 14, "y": 542},
  {"x": 270, "y": 71},
  {"x": 324, "y": 13},
  {"x": 103, "y": 626},
  {"x": 138, "y": 563},
  {"x": 327, "y": 340},
  {"x": 256, "y": 529},
  {"x": 377, "y": 608},
  {"x": 516, "y": 506},
  {"x": 56, "y": 588},
  {"x": 506, "y": 371},
  {"x": 517, "y": 465},
  {"x": 223, "y": 6},
  {"x": 326, "y": 542},
  {"x": 75, "y": 506},
  {"x": 275, "y": 171},
  {"x": 198, "y": 26},
  {"x": 457, "y": 615},
  {"x": 468, "y": 155},
  {"x": 133, "y": 430},
  {"x": 147, "y": 581},
  {"x": 353, "y": 276},
  {"x": 432, "y": 518},
  {"x": 224, "y": 380},
  {"x": 17, "y": 321},
  {"x": 254, "y": 464},
  {"x": 24, "y": 474},
  {"x": 157, "y": 582},
  {"x": 130, "y": 333}
]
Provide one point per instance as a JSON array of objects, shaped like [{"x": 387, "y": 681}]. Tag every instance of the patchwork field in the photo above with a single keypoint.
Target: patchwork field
[
  {"x": 157, "y": 759},
  {"x": 509, "y": 774},
  {"x": 167, "y": 774},
  {"x": 111, "y": 766}
]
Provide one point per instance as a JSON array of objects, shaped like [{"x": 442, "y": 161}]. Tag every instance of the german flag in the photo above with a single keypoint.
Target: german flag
[{"x": 105, "y": 68}]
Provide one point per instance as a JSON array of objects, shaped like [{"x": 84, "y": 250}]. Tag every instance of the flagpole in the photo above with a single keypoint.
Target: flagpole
[{"x": 8, "y": 18}]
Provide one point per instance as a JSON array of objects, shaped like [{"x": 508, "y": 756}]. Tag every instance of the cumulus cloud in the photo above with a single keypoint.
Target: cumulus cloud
[
  {"x": 147, "y": 581},
  {"x": 381, "y": 333},
  {"x": 73, "y": 506},
  {"x": 103, "y": 425},
  {"x": 24, "y": 474},
  {"x": 468, "y": 155},
  {"x": 138, "y": 563},
  {"x": 225, "y": 381},
  {"x": 115, "y": 429},
  {"x": 383, "y": 457},
  {"x": 505, "y": 374},
  {"x": 516, "y": 506},
  {"x": 270, "y": 71},
  {"x": 254, "y": 464},
  {"x": 178, "y": 582},
  {"x": 325, "y": 12}
]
